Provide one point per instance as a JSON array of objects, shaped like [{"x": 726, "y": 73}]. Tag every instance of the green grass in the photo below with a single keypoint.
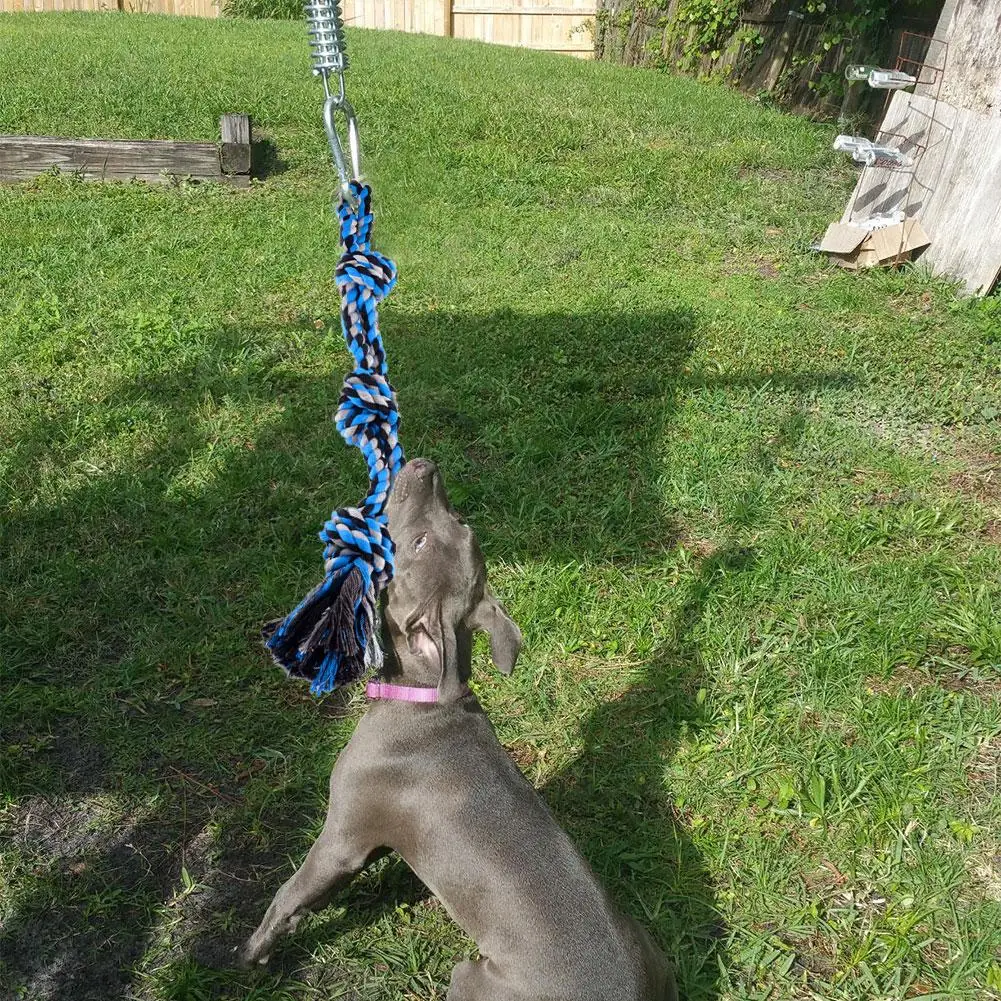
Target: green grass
[{"x": 744, "y": 506}]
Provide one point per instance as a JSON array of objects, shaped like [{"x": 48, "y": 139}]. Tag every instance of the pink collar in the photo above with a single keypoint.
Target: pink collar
[{"x": 401, "y": 693}]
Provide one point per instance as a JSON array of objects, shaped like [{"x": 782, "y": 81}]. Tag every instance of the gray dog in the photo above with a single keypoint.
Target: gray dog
[{"x": 424, "y": 775}]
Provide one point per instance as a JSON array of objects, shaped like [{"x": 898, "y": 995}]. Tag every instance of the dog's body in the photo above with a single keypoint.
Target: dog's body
[{"x": 432, "y": 782}]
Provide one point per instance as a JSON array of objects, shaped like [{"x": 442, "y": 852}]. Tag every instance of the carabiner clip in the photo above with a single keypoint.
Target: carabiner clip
[
  {"x": 330, "y": 108},
  {"x": 326, "y": 39}
]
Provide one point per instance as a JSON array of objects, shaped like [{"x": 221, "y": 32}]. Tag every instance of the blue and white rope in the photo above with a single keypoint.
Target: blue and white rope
[{"x": 328, "y": 637}]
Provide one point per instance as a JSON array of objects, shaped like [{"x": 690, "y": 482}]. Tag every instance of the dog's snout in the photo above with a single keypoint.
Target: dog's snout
[
  {"x": 418, "y": 478},
  {"x": 421, "y": 470}
]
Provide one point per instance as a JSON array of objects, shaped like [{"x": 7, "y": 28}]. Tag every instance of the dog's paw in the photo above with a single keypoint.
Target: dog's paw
[{"x": 247, "y": 957}]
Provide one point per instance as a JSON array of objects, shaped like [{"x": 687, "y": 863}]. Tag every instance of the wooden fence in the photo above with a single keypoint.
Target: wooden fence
[
  {"x": 554, "y": 25},
  {"x": 189, "y": 8},
  {"x": 774, "y": 48}
]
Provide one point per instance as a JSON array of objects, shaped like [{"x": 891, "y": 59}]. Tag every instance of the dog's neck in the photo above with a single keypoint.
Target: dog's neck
[{"x": 401, "y": 666}]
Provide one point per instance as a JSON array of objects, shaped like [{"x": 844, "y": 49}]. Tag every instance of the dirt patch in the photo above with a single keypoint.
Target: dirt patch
[
  {"x": 926, "y": 439},
  {"x": 766, "y": 267},
  {"x": 777, "y": 175},
  {"x": 810, "y": 719},
  {"x": 101, "y": 883},
  {"x": 937, "y": 954},
  {"x": 946, "y": 670},
  {"x": 60, "y": 829},
  {"x": 824, "y": 879},
  {"x": 523, "y": 755},
  {"x": 83, "y": 919},
  {"x": 701, "y": 548},
  {"x": 985, "y": 873},
  {"x": 61, "y": 760},
  {"x": 482, "y": 457},
  {"x": 612, "y": 672},
  {"x": 886, "y": 498},
  {"x": 814, "y": 956},
  {"x": 913, "y": 305},
  {"x": 980, "y": 478},
  {"x": 985, "y": 768},
  {"x": 762, "y": 265},
  {"x": 992, "y": 531}
]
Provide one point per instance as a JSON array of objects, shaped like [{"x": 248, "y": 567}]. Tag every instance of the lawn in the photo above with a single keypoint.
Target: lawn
[{"x": 746, "y": 508}]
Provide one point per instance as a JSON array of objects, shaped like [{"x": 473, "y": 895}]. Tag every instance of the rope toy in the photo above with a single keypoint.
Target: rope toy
[{"x": 328, "y": 637}]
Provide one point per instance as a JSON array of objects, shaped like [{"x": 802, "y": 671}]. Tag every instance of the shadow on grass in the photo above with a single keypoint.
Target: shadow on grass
[
  {"x": 614, "y": 798},
  {"x": 614, "y": 801},
  {"x": 133, "y": 672},
  {"x": 265, "y": 161}
]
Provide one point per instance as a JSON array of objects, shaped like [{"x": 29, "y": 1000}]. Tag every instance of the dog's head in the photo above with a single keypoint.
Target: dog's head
[{"x": 439, "y": 593}]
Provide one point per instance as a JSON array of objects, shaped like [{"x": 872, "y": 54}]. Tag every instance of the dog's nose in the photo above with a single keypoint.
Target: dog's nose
[{"x": 421, "y": 468}]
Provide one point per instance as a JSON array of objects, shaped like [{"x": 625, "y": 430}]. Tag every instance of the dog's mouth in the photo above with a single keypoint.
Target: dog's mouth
[{"x": 418, "y": 478}]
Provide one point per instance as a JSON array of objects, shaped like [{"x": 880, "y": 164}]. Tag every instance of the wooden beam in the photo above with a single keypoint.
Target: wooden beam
[
  {"x": 115, "y": 159},
  {"x": 101, "y": 159}
]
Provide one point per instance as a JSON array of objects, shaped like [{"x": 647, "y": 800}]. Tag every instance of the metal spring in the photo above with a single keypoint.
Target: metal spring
[{"x": 326, "y": 36}]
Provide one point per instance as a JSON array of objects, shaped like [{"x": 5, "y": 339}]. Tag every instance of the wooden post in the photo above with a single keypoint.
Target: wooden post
[
  {"x": 448, "y": 21},
  {"x": 235, "y": 149},
  {"x": 783, "y": 50}
]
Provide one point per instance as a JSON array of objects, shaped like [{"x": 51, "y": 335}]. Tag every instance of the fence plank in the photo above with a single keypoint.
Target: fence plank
[
  {"x": 552, "y": 27},
  {"x": 191, "y": 8},
  {"x": 532, "y": 11}
]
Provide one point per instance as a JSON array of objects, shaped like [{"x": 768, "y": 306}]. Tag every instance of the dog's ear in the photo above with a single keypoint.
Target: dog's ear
[
  {"x": 424, "y": 638},
  {"x": 429, "y": 639},
  {"x": 490, "y": 617}
]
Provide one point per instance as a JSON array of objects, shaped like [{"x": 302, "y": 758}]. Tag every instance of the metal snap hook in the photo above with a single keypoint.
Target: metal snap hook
[
  {"x": 348, "y": 167},
  {"x": 326, "y": 34}
]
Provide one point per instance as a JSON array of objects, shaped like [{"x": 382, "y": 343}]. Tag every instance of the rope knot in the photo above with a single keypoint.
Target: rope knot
[
  {"x": 359, "y": 538},
  {"x": 366, "y": 270},
  {"x": 356, "y": 223},
  {"x": 367, "y": 406}
]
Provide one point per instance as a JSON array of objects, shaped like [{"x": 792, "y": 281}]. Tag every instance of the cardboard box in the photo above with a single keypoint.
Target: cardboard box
[{"x": 853, "y": 247}]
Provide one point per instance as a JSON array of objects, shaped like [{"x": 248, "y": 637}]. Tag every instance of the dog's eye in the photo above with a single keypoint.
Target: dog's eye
[{"x": 420, "y": 542}]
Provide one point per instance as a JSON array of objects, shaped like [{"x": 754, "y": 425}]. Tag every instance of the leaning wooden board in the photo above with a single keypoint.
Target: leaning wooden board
[
  {"x": 951, "y": 127},
  {"x": 23, "y": 157},
  {"x": 952, "y": 187}
]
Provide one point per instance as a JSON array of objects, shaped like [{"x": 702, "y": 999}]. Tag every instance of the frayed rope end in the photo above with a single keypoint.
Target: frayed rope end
[{"x": 327, "y": 639}]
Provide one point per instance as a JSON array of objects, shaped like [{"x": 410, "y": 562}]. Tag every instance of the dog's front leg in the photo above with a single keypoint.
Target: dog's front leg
[
  {"x": 348, "y": 842},
  {"x": 329, "y": 865}
]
